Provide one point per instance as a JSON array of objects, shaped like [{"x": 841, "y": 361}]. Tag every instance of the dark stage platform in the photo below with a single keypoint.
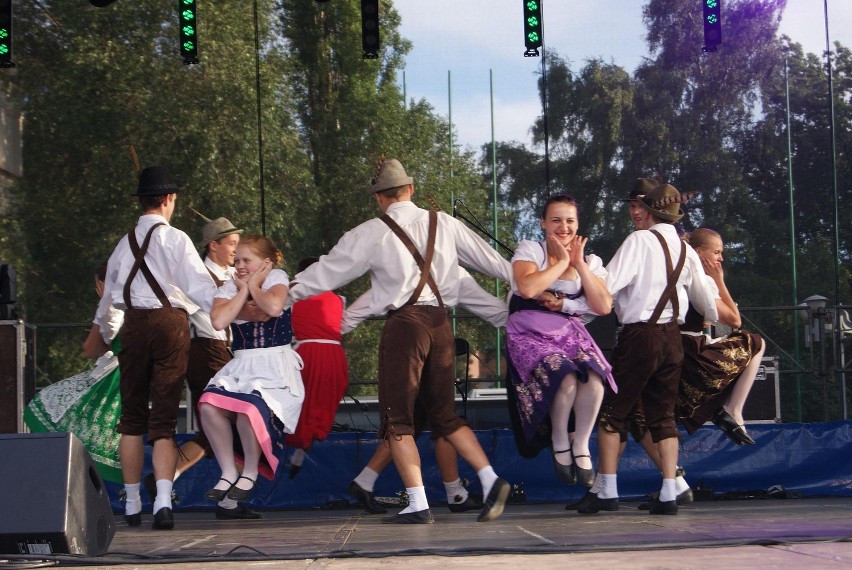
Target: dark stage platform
[{"x": 769, "y": 533}]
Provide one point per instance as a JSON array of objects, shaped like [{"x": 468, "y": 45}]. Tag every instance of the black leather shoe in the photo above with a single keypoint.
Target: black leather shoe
[
  {"x": 237, "y": 494},
  {"x": 294, "y": 470},
  {"x": 164, "y": 519},
  {"x": 683, "y": 498},
  {"x": 565, "y": 473},
  {"x": 585, "y": 477},
  {"x": 732, "y": 429},
  {"x": 495, "y": 502},
  {"x": 365, "y": 499},
  {"x": 599, "y": 504},
  {"x": 583, "y": 502},
  {"x": 417, "y": 517},
  {"x": 238, "y": 512},
  {"x": 659, "y": 507},
  {"x": 214, "y": 494},
  {"x": 133, "y": 520},
  {"x": 472, "y": 503}
]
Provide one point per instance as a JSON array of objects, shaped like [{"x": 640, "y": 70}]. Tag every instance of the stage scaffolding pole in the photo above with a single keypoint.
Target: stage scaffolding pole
[
  {"x": 497, "y": 335},
  {"x": 452, "y": 188},
  {"x": 837, "y": 300},
  {"x": 793, "y": 244}
]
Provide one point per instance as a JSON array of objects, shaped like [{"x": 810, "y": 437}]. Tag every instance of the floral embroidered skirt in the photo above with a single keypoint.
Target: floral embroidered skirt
[
  {"x": 710, "y": 368},
  {"x": 87, "y": 405},
  {"x": 545, "y": 347}
]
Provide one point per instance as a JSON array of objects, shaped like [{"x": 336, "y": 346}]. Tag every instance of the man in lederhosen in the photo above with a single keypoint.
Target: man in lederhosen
[
  {"x": 412, "y": 255},
  {"x": 652, "y": 278},
  {"x": 157, "y": 277}
]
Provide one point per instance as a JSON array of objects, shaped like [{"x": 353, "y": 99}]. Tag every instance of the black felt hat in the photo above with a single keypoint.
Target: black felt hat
[{"x": 155, "y": 181}]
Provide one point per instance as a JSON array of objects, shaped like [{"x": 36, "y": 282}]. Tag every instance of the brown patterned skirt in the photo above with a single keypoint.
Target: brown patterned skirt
[{"x": 709, "y": 372}]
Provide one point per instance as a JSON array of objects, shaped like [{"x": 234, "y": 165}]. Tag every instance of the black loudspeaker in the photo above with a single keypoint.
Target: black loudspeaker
[
  {"x": 53, "y": 500},
  {"x": 764, "y": 400},
  {"x": 17, "y": 373}
]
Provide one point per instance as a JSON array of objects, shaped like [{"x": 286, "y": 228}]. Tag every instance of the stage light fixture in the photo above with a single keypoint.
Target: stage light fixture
[
  {"x": 188, "y": 26},
  {"x": 532, "y": 27},
  {"x": 712, "y": 24},
  {"x": 370, "y": 41},
  {"x": 6, "y": 33}
]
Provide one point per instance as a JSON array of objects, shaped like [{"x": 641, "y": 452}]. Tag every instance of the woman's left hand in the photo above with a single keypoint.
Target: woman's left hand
[
  {"x": 575, "y": 252},
  {"x": 259, "y": 276}
]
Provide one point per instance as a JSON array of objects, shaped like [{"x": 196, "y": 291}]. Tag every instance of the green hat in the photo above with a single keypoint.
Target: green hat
[
  {"x": 641, "y": 187},
  {"x": 664, "y": 202}
]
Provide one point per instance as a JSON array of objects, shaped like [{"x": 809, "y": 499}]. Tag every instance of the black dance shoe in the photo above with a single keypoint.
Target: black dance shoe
[
  {"x": 599, "y": 504},
  {"x": 565, "y": 473},
  {"x": 683, "y": 498},
  {"x": 239, "y": 512},
  {"x": 417, "y": 517},
  {"x": 237, "y": 494},
  {"x": 164, "y": 519},
  {"x": 365, "y": 498},
  {"x": 133, "y": 520},
  {"x": 495, "y": 502},
  {"x": 585, "y": 501},
  {"x": 472, "y": 503},
  {"x": 585, "y": 477},
  {"x": 732, "y": 429},
  {"x": 213, "y": 494},
  {"x": 659, "y": 507}
]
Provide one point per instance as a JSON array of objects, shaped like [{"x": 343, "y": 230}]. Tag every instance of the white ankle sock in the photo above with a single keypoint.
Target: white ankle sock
[
  {"x": 227, "y": 503},
  {"x": 133, "y": 501},
  {"x": 667, "y": 491},
  {"x": 597, "y": 485},
  {"x": 487, "y": 477},
  {"x": 609, "y": 486},
  {"x": 164, "y": 495},
  {"x": 456, "y": 493},
  {"x": 680, "y": 485},
  {"x": 298, "y": 457},
  {"x": 366, "y": 479},
  {"x": 416, "y": 500}
]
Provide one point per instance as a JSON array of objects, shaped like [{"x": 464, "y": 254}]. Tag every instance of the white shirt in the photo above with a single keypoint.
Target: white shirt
[
  {"x": 535, "y": 251},
  {"x": 471, "y": 296},
  {"x": 637, "y": 277},
  {"x": 174, "y": 263},
  {"x": 199, "y": 321},
  {"x": 373, "y": 248}
]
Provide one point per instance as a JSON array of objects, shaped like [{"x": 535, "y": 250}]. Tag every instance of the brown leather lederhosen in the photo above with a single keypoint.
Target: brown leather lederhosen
[
  {"x": 646, "y": 364},
  {"x": 417, "y": 354},
  {"x": 153, "y": 357},
  {"x": 206, "y": 357}
]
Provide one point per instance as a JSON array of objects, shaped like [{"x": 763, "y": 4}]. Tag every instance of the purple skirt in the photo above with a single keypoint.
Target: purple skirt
[{"x": 545, "y": 347}]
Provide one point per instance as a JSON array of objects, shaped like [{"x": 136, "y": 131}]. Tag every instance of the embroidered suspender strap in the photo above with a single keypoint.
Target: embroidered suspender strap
[
  {"x": 139, "y": 264},
  {"x": 669, "y": 294},
  {"x": 424, "y": 265}
]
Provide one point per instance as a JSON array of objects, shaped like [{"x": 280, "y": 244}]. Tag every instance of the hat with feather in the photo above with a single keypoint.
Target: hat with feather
[
  {"x": 664, "y": 202},
  {"x": 215, "y": 229},
  {"x": 389, "y": 174}
]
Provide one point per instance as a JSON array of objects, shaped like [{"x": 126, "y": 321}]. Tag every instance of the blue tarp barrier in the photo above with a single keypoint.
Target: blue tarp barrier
[{"x": 808, "y": 459}]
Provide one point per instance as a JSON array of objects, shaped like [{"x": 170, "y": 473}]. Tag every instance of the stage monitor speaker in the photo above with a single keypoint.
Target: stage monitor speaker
[
  {"x": 53, "y": 501},
  {"x": 17, "y": 373},
  {"x": 764, "y": 399}
]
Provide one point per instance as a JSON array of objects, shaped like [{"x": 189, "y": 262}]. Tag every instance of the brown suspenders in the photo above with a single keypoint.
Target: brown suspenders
[
  {"x": 670, "y": 293},
  {"x": 425, "y": 265},
  {"x": 139, "y": 264}
]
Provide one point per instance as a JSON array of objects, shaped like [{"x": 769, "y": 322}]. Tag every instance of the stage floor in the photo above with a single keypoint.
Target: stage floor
[{"x": 758, "y": 533}]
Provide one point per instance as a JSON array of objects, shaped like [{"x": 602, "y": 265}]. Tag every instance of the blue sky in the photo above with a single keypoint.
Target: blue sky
[{"x": 576, "y": 29}]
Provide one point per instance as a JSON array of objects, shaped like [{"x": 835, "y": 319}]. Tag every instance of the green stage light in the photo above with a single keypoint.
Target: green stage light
[
  {"x": 712, "y": 24},
  {"x": 188, "y": 31},
  {"x": 532, "y": 27},
  {"x": 6, "y": 33}
]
